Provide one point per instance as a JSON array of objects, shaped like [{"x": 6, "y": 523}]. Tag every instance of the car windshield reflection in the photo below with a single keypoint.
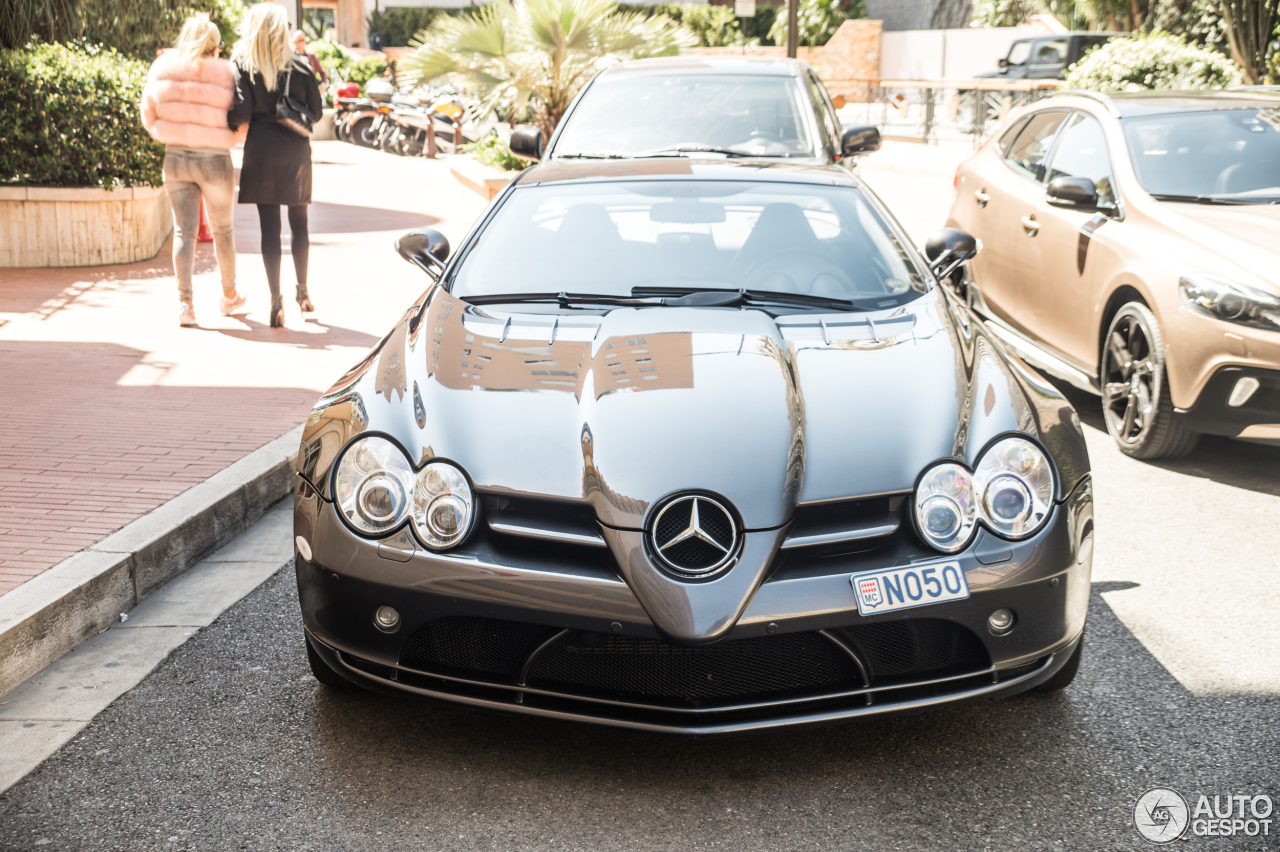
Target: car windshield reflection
[
  {"x": 1230, "y": 156},
  {"x": 623, "y": 239}
]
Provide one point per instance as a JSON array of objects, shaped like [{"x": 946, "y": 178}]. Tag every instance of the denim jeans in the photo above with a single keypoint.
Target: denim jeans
[{"x": 188, "y": 174}]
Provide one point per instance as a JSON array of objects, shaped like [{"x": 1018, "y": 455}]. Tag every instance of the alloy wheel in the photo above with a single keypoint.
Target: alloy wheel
[{"x": 1131, "y": 380}]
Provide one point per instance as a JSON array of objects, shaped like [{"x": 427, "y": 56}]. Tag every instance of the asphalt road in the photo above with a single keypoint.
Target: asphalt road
[{"x": 230, "y": 743}]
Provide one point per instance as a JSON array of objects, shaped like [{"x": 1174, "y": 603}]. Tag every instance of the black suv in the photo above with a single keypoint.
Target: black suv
[{"x": 1048, "y": 57}]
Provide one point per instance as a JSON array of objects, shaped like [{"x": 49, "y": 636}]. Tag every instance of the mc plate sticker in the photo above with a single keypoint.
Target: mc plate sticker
[{"x": 902, "y": 588}]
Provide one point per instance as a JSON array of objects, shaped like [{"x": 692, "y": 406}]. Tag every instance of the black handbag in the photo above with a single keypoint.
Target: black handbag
[{"x": 293, "y": 113}]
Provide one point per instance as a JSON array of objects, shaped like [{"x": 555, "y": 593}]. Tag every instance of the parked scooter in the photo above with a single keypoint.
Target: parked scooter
[{"x": 354, "y": 120}]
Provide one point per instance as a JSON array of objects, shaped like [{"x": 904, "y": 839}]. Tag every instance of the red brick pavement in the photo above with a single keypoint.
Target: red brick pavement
[{"x": 109, "y": 409}]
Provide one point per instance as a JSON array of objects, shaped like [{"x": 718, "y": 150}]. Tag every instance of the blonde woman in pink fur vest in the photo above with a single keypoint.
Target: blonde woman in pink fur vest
[{"x": 184, "y": 105}]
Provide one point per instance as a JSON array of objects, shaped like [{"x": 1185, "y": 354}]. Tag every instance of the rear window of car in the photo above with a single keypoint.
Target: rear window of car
[
  {"x": 751, "y": 115},
  {"x": 1028, "y": 152},
  {"x": 608, "y": 238}
]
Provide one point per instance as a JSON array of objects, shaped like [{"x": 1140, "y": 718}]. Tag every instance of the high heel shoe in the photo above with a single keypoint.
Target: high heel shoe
[
  {"x": 304, "y": 300},
  {"x": 277, "y": 312}
]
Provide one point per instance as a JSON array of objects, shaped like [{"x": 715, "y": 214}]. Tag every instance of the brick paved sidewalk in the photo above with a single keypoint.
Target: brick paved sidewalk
[{"x": 111, "y": 409}]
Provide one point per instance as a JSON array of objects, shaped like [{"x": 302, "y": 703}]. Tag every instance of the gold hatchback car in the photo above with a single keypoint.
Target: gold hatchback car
[{"x": 1132, "y": 248}]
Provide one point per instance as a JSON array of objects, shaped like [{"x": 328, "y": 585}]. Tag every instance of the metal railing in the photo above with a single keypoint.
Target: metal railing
[{"x": 935, "y": 110}]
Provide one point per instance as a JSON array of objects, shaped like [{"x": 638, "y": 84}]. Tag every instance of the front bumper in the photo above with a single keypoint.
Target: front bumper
[
  {"x": 558, "y": 600},
  {"x": 1212, "y": 414}
]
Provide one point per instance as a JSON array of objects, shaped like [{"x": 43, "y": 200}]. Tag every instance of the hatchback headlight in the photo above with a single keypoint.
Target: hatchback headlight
[
  {"x": 377, "y": 490},
  {"x": 1010, "y": 491},
  {"x": 1217, "y": 297}
]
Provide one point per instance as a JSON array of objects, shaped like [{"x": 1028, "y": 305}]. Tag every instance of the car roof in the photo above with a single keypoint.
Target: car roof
[
  {"x": 682, "y": 168},
  {"x": 1130, "y": 104},
  {"x": 760, "y": 66}
]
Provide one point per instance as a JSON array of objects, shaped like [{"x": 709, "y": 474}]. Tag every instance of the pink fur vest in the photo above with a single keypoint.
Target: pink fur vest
[{"x": 186, "y": 102}]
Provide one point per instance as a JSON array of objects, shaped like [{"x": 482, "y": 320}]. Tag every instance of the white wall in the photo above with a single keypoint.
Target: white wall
[{"x": 930, "y": 54}]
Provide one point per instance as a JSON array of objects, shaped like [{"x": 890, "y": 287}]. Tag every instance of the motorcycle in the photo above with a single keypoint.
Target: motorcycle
[{"x": 354, "y": 120}]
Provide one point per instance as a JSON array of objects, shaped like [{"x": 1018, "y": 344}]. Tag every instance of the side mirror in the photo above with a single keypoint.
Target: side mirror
[
  {"x": 425, "y": 248},
  {"x": 948, "y": 248},
  {"x": 526, "y": 142},
  {"x": 1002, "y": 62},
  {"x": 858, "y": 139},
  {"x": 1078, "y": 193}
]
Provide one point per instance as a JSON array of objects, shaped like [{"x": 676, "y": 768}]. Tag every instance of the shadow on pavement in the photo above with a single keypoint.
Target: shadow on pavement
[
  {"x": 327, "y": 337},
  {"x": 1242, "y": 464},
  {"x": 326, "y": 218}
]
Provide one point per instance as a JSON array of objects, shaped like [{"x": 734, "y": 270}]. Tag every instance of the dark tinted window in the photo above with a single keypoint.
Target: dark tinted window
[
  {"x": 1028, "y": 152},
  {"x": 1050, "y": 52},
  {"x": 1231, "y": 154},
  {"x": 1082, "y": 152}
]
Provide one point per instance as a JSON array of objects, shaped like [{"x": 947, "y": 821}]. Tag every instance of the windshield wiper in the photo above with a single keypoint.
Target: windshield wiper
[
  {"x": 695, "y": 297},
  {"x": 586, "y": 155},
  {"x": 562, "y": 298},
  {"x": 1200, "y": 199},
  {"x": 682, "y": 150}
]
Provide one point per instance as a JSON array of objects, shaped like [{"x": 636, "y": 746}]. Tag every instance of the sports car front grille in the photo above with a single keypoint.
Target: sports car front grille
[
  {"x": 603, "y": 667},
  {"x": 737, "y": 669}
]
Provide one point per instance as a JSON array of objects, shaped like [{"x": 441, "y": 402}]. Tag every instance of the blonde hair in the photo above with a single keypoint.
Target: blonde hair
[
  {"x": 263, "y": 47},
  {"x": 199, "y": 37}
]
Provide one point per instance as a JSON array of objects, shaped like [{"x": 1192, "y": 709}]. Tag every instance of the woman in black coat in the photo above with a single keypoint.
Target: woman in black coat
[{"x": 277, "y": 160}]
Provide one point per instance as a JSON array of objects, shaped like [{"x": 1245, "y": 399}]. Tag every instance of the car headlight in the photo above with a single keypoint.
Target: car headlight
[
  {"x": 373, "y": 485},
  {"x": 945, "y": 507},
  {"x": 1217, "y": 297},
  {"x": 442, "y": 506},
  {"x": 1014, "y": 484},
  {"x": 1010, "y": 490}
]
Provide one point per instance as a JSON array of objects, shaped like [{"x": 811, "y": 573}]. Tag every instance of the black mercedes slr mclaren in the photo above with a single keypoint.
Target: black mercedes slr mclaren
[{"x": 692, "y": 447}]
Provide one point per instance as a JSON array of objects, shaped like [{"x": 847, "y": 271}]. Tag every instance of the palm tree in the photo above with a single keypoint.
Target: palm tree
[{"x": 537, "y": 54}]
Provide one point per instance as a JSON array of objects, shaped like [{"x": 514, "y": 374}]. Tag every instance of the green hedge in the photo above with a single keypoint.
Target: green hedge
[
  {"x": 134, "y": 27},
  {"x": 715, "y": 26},
  {"x": 1151, "y": 62},
  {"x": 70, "y": 117}
]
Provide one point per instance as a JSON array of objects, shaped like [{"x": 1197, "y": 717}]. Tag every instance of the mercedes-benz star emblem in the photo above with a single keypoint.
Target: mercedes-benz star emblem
[{"x": 694, "y": 535}]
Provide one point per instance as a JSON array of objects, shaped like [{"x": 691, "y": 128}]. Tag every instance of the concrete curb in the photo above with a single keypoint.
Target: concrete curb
[{"x": 79, "y": 597}]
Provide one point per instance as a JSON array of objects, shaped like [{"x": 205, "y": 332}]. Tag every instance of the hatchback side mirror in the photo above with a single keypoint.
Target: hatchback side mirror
[
  {"x": 1078, "y": 193},
  {"x": 858, "y": 139},
  {"x": 948, "y": 248},
  {"x": 425, "y": 248},
  {"x": 526, "y": 142}
]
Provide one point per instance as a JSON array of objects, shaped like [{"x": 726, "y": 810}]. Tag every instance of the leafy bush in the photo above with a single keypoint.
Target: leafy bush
[
  {"x": 495, "y": 153},
  {"x": 817, "y": 20},
  {"x": 136, "y": 28},
  {"x": 335, "y": 58},
  {"x": 398, "y": 24},
  {"x": 70, "y": 117},
  {"x": 1151, "y": 62},
  {"x": 366, "y": 68},
  {"x": 715, "y": 26}
]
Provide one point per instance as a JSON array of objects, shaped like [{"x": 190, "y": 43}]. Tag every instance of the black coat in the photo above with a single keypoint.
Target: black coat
[{"x": 277, "y": 161}]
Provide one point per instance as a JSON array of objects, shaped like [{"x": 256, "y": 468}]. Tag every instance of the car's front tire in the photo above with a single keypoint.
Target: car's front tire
[
  {"x": 1063, "y": 677},
  {"x": 1135, "y": 390},
  {"x": 323, "y": 673}
]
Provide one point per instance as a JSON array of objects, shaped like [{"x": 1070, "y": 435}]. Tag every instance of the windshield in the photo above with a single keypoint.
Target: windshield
[
  {"x": 1019, "y": 53},
  {"x": 608, "y": 238},
  {"x": 755, "y": 116},
  {"x": 1229, "y": 155}
]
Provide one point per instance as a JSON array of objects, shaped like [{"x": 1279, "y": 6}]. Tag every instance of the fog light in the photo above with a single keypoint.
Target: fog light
[
  {"x": 386, "y": 619},
  {"x": 1000, "y": 621},
  {"x": 1242, "y": 391}
]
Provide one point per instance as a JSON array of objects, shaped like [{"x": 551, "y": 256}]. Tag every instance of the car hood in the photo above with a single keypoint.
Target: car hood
[
  {"x": 620, "y": 410},
  {"x": 623, "y": 409},
  {"x": 1246, "y": 235}
]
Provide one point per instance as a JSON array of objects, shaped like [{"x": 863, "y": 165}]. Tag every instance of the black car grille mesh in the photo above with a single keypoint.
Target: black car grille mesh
[
  {"x": 484, "y": 645},
  {"x": 623, "y": 667},
  {"x": 915, "y": 650},
  {"x": 735, "y": 669}
]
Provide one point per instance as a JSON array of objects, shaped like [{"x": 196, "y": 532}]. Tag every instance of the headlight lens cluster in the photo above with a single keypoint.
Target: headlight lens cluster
[
  {"x": 1217, "y": 297},
  {"x": 376, "y": 490},
  {"x": 1010, "y": 490}
]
